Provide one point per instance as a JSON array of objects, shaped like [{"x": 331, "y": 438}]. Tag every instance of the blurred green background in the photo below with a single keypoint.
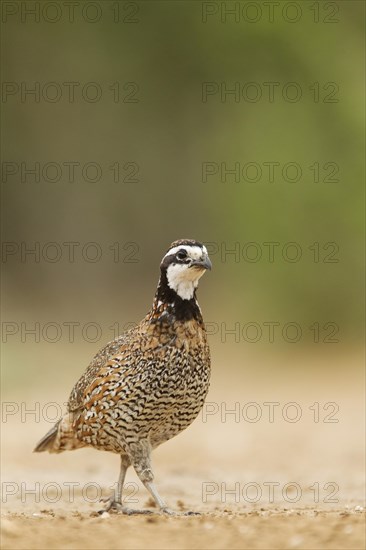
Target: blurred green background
[{"x": 161, "y": 54}]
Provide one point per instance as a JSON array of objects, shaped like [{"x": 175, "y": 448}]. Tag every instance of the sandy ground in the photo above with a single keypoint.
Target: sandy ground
[
  {"x": 269, "y": 484},
  {"x": 310, "y": 530}
]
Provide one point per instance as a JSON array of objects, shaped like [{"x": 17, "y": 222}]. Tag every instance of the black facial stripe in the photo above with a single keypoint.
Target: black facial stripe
[
  {"x": 167, "y": 261},
  {"x": 172, "y": 259}
]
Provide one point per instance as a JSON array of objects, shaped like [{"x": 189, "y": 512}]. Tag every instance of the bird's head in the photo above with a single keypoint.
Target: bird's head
[{"x": 183, "y": 265}]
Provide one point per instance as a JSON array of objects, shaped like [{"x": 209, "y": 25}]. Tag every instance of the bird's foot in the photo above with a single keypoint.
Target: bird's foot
[
  {"x": 170, "y": 512},
  {"x": 116, "y": 507},
  {"x": 112, "y": 505},
  {"x": 134, "y": 512}
]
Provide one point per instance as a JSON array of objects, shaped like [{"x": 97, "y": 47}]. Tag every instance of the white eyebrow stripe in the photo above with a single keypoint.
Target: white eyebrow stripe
[{"x": 194, "y": 251}]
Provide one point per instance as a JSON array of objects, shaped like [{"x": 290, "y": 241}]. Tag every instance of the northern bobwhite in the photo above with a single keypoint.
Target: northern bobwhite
[{"x": 147, "y": 385}]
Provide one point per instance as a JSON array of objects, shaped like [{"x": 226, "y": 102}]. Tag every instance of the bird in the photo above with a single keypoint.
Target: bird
[{"x": 148, "y": 384}]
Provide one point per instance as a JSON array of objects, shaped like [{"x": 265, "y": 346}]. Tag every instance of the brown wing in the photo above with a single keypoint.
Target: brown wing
[{"x": 102, "y": 357}]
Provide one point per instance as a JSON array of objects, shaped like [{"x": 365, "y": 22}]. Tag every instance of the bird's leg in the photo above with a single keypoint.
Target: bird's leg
[
  {"x": 151, "y": 487},
  {"x": 140, "y": 453},
  {"x": 114, "y": 502},
  {"x": 140, "y": 458}
]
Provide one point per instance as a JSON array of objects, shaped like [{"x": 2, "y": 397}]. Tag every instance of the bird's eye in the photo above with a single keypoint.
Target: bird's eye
[{"x": 182, "y": 254}]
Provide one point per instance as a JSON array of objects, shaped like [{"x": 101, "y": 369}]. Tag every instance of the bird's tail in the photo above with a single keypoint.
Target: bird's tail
[
  {"x": 60, "y": 438},
  {"x": 47, "y": 442}
]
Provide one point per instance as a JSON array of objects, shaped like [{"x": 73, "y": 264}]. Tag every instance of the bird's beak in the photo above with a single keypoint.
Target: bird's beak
[{"x": 205, "y": 263}]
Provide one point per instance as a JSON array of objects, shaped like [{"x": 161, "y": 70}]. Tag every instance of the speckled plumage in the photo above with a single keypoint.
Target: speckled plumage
[{"x": 147, "y": 385}]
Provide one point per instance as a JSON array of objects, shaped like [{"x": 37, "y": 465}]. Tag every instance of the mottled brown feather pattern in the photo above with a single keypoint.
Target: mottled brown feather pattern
[
  {"x": 144, "y": 387},
  {"x": 153, "y": 381}
]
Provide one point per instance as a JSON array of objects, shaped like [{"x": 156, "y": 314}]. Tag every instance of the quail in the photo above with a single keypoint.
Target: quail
[{"x": 147, "y": 385}]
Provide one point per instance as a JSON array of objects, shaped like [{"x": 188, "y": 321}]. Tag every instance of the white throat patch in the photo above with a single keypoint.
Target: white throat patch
[{"x": 183, "y": 280}]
